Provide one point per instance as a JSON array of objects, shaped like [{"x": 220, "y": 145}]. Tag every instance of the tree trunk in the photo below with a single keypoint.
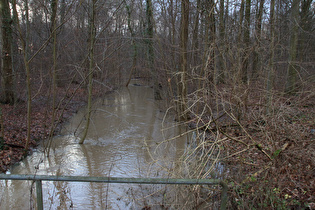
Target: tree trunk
[
  {"x": 7, "y": 53},
  {"x": 183, "y": 59},
  {"x": 211, "y": 43},
  {"x": 195, "y": 40},
  {"x": 222, "y": 47},
  {"x": 91, "y": 70},
  {"x": 292, "y": 68},
  {"x": 245, "y": 63},
  {"x": 153, "y": 70},
  {"x": 270, "y": 76},
  {"x": 28, "y": 73},
  {"x": 305, "y": 45},
  {"x": 134, "y": 45},
  {"x": 240, "y": 53},
  {"x": 54, "y": 6},
  {"x": 256, "y": 54}
]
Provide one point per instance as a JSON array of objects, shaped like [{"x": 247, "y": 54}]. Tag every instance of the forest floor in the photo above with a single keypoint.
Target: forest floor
[{"x": 272, "y": 156}]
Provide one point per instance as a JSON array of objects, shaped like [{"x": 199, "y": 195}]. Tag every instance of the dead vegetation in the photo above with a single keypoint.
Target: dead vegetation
[{"x": 268, "y": 152}]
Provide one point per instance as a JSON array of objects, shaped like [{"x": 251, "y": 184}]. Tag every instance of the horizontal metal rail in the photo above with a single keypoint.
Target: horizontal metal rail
[{"x": 39, "y": 178}]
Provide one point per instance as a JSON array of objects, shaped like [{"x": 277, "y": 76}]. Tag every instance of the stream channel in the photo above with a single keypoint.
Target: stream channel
[{"x": 124, "y": 139}]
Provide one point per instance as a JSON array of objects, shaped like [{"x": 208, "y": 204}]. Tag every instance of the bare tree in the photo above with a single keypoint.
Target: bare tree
[
  {"x": 183, "y": 60},
  {"x": 270, "y": 76},
  {"x": 54, "y": 6},
  {"x": 222, "y": 45},
  {"x": 292, "y": 68},
  {"x": 245, "y": 62},
  {"x": 256, "y": 54},
  {"x": 28, "y": 73},
  {"x": 91, "y": 69},
  {"x": 149, "y": 41},
  {"x": 7, "y": 73},
  {"x": 134, "y": 44}
]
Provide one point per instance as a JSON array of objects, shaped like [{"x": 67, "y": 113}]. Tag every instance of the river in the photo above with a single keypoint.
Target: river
[{"x": 124, "y": 140}]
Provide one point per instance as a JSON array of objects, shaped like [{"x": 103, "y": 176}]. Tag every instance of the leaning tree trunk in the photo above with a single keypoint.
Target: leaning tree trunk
[{"x": 54, "y": 6}]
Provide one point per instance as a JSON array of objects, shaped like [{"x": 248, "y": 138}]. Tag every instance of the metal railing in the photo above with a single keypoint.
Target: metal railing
[{"x": 39, "y": 178}]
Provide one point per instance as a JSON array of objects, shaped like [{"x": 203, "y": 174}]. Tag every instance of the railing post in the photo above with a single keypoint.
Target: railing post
[
  {"x": 224, "y": 197},
  {"x": 39, "y": 194}
]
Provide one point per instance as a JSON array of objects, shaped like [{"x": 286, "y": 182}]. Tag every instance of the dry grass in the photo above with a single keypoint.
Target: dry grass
[{"x": 266, "y": 154}]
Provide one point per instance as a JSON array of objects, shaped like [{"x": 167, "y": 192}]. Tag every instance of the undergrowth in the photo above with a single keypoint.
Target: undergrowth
[{"x": 266, "y": 150}]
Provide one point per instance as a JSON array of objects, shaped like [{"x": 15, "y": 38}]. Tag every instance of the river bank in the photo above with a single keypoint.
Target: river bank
[{"x": 14, "y": 123}]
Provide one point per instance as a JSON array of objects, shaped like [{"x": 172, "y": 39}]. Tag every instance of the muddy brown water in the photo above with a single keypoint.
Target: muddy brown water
[{"x": 124, "y": 139}]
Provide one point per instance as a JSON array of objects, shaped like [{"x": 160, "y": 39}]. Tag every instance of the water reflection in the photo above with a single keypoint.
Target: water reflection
[{"x": 125, "y": 126}]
